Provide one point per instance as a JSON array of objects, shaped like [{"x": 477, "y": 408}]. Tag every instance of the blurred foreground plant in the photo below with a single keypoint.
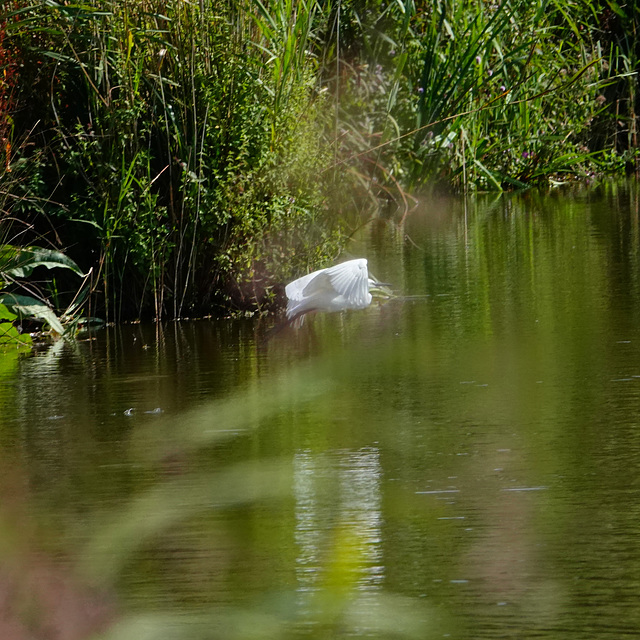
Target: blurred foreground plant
[{"x": 199, "y": 495}]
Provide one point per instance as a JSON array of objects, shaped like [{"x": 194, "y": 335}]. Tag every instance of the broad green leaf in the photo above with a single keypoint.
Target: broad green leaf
[
  {"x": 9, "y": 334},
  {"x": 10, "y": 337},
  {"x": 19, "y": 262},
  {"x": 5, "y": 314},
  {"x": 32, "y": 308}
]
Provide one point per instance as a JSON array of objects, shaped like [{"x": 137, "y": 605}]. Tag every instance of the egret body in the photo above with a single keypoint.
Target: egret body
[{"x": 344, "y": 286}]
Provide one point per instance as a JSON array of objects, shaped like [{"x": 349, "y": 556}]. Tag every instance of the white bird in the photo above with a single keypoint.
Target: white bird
[{"x": 344, "y": 286}]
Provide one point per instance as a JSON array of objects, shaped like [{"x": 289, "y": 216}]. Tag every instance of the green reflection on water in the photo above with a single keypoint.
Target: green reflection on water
[{"x": 461, "y": 459}]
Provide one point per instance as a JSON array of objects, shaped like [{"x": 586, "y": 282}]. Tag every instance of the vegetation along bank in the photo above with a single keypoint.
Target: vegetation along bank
[{"x": 172, "y": 158}]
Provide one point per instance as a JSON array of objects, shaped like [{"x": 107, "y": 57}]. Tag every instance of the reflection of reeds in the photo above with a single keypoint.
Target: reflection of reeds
[{"x": 165, "y": 514}]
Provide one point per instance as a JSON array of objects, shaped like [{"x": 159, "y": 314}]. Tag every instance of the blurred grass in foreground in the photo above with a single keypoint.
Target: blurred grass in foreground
[{"x": 194, "y": 484}]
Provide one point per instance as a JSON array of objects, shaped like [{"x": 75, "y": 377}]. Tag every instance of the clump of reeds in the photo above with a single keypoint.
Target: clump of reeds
[
  {"x": 184, "y": 139},
  {"x": 195, "y": 149},
  {"x": 486, "y": 96}
]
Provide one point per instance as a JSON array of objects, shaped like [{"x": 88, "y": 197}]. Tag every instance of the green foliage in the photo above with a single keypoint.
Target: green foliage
[
  {"x": 17, "y": 264},
  {"x": 27, "y": 306},
  {"x": 618, "y": 29},
  {"x": 9, "y": 335},
  {"x": 473, "y": 95},
  {"x": 191, "y": 153},
  {"x": 186, "y": 138}
]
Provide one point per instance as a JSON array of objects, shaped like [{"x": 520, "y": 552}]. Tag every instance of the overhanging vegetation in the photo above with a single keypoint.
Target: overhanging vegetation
[{"x": 194, "y": 155}]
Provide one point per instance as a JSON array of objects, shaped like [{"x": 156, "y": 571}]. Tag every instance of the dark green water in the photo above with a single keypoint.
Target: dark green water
[{"x": 462, "y": 461}]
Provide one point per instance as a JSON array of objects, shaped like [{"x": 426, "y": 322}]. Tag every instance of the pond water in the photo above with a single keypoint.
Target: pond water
[{"x": 459, "y": 461}]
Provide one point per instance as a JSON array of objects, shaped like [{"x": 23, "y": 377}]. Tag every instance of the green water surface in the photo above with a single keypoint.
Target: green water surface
[{"x": 460, "y": 461}]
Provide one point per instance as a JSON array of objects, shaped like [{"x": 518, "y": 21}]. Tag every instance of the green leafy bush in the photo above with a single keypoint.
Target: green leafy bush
[
  {"x": 186, "y": 140},
  {"x": 195, "y": 155}
]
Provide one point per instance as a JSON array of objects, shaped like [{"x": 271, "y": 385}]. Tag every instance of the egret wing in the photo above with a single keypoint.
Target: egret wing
[
  {"x": 303, "y": 294},
  {"x": 351, "y": 280},
  {"x": 345, "y": 286},
  {"x": 296, "y": 290}
]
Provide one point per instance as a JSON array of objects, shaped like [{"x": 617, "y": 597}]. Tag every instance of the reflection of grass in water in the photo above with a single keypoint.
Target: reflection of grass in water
[{"x": 335, "y": 606}]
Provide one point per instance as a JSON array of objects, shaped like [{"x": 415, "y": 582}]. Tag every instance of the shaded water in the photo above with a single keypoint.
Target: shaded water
[{"x": 461, "y": 461}]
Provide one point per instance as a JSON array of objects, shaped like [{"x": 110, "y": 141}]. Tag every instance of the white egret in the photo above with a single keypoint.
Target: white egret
[{"x": 344, "y": 286}]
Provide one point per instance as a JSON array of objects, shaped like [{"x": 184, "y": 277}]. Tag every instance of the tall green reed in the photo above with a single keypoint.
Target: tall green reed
[
  {"x": 483, "y": 96},
  {"x": 618, "y": 27},
  {"x": 188, "y": 139}
]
